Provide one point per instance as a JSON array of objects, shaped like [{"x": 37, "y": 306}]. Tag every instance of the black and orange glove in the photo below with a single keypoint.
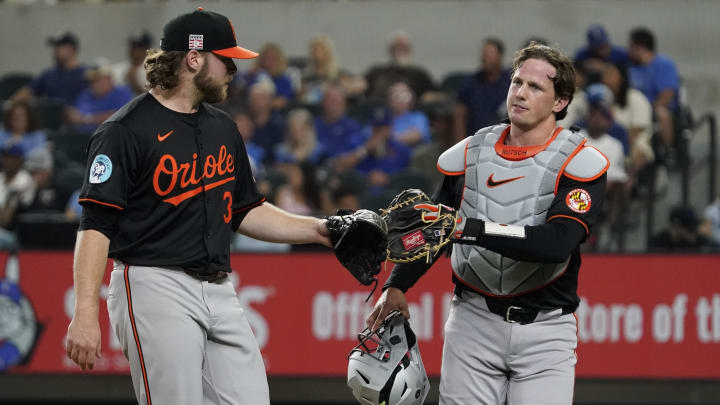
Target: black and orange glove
[{"x": 417, "y": 227}]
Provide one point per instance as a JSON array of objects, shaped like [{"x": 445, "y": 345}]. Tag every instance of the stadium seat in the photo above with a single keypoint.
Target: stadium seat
[
  {"x": 410, "y": 178},
  {"x": 314, "y": 109},
  {"x": 435, "y": 109},
  {"x": 364, "y": 112},
  {"x": 353, "y": 181},
  {"x": 299, "y": 62},
  {"x": 12, "y": 82},
  {"x": 452, "y": 82},
  {"x": 50, "y": 112},
  {"x": 71, "y": 146},
  {"x": 69, "y": 178},
  {"x": 377, "y": 201},
  {"x": 46, "y": 231}
]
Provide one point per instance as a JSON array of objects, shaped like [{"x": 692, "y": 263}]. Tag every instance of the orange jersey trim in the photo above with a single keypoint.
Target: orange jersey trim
[
  {"x": 577, "y": 333},
  {"x": 135, "y": 334},
  {"x": 100, "y": 202},
  {"x": 570, "y": 217},
  {"x": 447, "y": 173},
  {"x": 567, "y": 162},
  {"x": 587, "y": 179},
  {"x": 249, "y": 206},
  {"x": 515, "y": 153}
]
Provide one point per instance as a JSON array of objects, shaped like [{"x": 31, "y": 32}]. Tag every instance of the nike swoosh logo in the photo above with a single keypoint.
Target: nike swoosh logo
[
  {"x": 163, "y": 137},
  {"x": 493, "y": 183}
]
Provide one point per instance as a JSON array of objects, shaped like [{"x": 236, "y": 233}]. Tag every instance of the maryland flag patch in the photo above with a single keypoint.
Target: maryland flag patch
[{"x": 579, "y": 201}]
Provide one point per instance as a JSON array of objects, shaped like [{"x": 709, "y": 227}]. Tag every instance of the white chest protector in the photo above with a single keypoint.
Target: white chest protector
[{"x": 514, "y": 192}]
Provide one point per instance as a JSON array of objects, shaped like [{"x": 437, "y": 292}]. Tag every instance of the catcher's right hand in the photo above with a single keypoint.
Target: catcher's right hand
[
  {"x": 392, "y": 299},
  {"x": 417, "y": 227}
]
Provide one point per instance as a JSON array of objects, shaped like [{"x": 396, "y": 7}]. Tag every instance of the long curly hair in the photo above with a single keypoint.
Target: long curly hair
[{"x": 162, "y": 68}]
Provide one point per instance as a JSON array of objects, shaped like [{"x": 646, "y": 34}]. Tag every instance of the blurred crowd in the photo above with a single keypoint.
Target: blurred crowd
[{"x": 320, "y": 137}]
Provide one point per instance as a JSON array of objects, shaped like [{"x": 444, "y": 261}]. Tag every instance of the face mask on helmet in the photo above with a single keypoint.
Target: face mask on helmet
[{"x": 386, "y": 368}]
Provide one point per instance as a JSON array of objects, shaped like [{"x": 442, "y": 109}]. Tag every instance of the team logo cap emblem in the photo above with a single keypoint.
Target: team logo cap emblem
[{"x": 195, "y": 42}]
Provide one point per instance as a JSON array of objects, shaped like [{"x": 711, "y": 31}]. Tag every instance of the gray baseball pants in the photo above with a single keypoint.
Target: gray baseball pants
[
  {"x": 188, "y": 341},
  {"x": 489, "y": 361}
]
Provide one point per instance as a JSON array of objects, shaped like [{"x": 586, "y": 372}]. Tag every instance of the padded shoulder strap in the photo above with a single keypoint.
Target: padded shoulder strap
[
  {"x": 452, "y": 161},
  {"x": 587, "y": 165}
]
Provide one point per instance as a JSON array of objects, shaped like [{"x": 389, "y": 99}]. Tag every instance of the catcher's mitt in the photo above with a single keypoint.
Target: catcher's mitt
[
  {"x": 417, "y": 227},
  {"x": 360, "y": 242}
]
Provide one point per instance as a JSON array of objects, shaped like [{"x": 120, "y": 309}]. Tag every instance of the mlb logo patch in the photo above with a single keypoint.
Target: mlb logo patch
[{"x": 195, "y": 42}]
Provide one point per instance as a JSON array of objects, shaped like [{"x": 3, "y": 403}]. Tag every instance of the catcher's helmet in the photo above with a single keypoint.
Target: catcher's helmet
[{"x": 386, "y": 368}]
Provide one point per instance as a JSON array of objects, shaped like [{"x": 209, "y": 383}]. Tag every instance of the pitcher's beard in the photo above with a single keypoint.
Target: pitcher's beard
[{"x": 210, "y": 91}]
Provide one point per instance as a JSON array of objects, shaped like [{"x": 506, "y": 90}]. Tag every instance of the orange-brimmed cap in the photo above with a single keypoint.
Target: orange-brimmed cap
[{"x": 203, "y": 31}]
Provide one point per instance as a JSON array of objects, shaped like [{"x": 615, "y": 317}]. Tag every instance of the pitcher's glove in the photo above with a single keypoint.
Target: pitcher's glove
[
  {"x": 360, "y": 241},
  {"x": 417, "y": 227}
]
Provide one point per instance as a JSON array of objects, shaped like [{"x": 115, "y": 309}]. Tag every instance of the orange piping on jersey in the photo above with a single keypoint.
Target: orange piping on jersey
[
  {"x": 100, "y": 202},
  {"x": 481, "y": 292},
  {"x": 567, "y": 162},
  {"x": 587, "y": 179},
  {"x": 448, "y": 173},
  {"x": 577, "y": 332},
  {"x": 249, "y": 206},
  {"x": 462, "y": 197},
  {"x": 192, "y": 193},
  {"x": 135, "y": 334},
  {"x": 515, "y": 153},
  {"x": 569, "y": 217}
]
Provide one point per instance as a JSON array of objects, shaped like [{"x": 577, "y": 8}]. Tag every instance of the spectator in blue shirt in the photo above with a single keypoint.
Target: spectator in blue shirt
[
  {"x": 656, "y": 77},
  {"x": 408, "y": 127},
  {"x": 21, "y": 128},
  {"x": 300, "y": 144},
  {"x": 256, "y": 154},
  {"x": 272, "y": 65},
  {"x": 269, "y": 124},
  {"x": 599, "y": 95},
  {"x": 97, "y": 103},
  {"x": 336, "y": 132},
  {"x": 65, "y": 80},
  {"x": 481, "y": 99},
  {"x": 599, "y": 48},
  {"x": 381, "y": 156}
]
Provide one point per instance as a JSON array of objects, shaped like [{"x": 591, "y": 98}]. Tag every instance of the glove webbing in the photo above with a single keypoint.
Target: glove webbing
[
  {"x": 428, "y": 251},
  {"x": 404, "y": 203}
]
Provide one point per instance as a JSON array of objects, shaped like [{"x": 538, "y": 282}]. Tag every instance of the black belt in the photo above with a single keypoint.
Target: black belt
[
  {"x": 509, "y": 312},
  {"x": 512, "y": 313},
  {"x": 209, "y": 277}
]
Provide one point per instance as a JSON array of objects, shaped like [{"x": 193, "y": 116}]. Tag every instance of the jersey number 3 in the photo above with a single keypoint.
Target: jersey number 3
[{"x": 228, "y": 215}]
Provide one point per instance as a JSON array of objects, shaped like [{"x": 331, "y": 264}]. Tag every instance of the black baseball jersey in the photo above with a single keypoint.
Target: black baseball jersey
[
  {"x": 554, "y": 241},
  {"x": 176, "y": 181}
]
